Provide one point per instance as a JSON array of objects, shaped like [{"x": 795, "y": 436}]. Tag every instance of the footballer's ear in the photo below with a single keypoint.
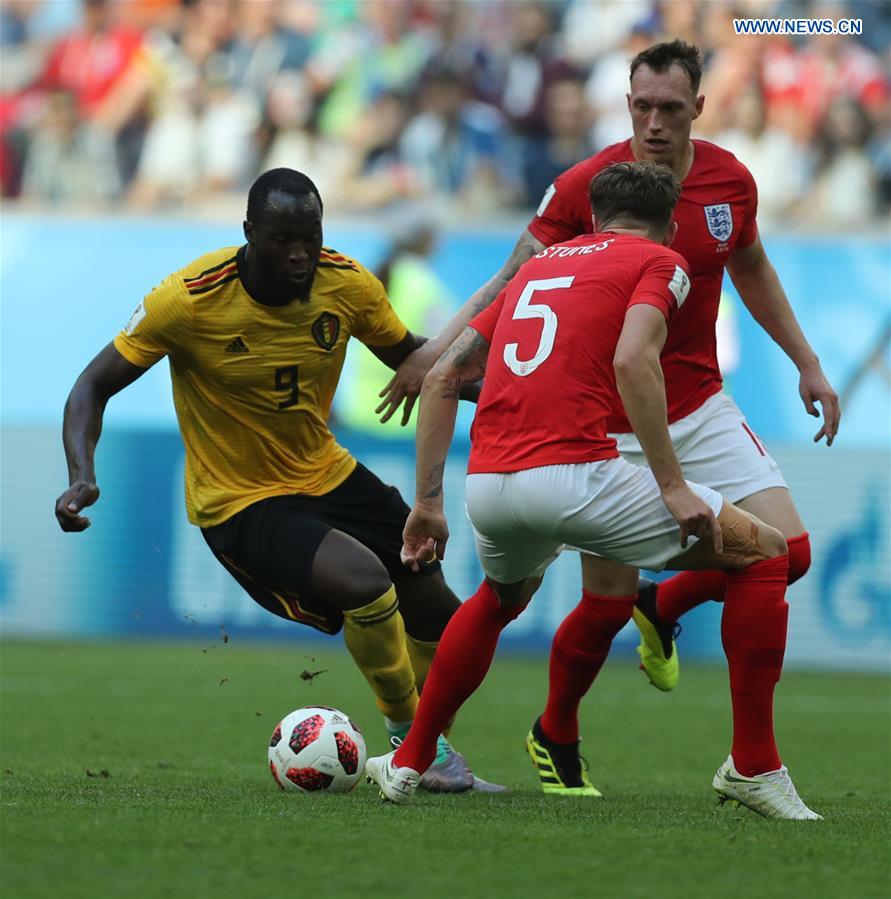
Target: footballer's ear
[{"x": 700, "y": 102}]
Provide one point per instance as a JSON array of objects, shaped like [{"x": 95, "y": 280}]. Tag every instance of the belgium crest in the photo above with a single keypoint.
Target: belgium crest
[{"x": 326, "y": 330}]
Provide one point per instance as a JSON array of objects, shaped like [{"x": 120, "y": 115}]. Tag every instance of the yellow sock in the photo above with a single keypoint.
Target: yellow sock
[
  {"x": 375, "y": 637},
  {"x": 421, "y": 653}
]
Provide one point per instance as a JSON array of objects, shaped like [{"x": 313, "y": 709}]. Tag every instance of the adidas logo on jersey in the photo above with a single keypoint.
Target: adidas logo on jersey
[{"x": 237, "y": 346}]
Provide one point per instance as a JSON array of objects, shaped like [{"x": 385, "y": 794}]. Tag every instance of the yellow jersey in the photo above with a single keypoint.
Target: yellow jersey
[{"x": 253, "y": 384}]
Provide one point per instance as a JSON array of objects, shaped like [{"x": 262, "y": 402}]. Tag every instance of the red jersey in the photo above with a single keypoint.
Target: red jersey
[
  {"x": 715, "y": 215},
  {"x": 91, "y": 65},
  {"x": 549, "y": 385}
]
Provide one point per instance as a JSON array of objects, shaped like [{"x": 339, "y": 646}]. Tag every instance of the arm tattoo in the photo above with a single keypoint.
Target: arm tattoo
[
  {"x": 452, "y": 390},
  {"x": 465, "y": 361},
  {"x": 435, "y": 477},
  {"x": 469, "y": 355},
  {"x": 524, "y": 249}
]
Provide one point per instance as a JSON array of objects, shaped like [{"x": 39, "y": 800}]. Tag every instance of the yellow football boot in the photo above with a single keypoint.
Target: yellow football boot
[{"x": 657, "y": 650}]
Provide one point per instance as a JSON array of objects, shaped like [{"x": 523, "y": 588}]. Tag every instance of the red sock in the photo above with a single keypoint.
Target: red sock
[
  {"x": 462, "y": 659},
  {"x": 689, "y": 589},
  {"x": 799, "y": 556},
  {"x": 753, "y": 631},
  {"x": 580, "y": 648}
]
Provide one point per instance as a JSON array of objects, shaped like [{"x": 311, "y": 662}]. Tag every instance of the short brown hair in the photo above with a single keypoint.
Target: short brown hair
[
  {"x": 660, "y": 57},
  {"x": 639, "y": 193}
]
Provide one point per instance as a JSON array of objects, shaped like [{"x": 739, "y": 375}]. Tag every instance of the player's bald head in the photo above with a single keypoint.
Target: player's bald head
[{"x": 275, "y": 186}]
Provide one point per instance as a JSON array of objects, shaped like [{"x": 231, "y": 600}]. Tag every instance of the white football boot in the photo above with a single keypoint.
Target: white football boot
[
  {"x": 396, "y": 784},
  {"x": 771, "y": 794}
]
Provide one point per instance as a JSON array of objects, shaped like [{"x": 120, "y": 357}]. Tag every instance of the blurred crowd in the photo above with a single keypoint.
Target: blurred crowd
[{"x": 468, "y": 106}]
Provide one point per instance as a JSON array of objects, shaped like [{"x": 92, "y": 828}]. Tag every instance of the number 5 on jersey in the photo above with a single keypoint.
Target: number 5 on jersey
[{"x": 527, "y": 309}]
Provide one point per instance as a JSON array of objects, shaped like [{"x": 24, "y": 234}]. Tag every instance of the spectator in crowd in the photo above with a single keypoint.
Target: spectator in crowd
[
  {"x": 14, "y": 15},
  {"x": 800, "y": 83},
  {"x": 781, "y": 168},
  {"x": 22, "y": 53},
  {"x": 733, "y": 65},
  {"x": 64, "y": 164},
  {"x": 590, "y": 32},
  {"x": 607, "y": 86},
  {"x": 181, "y": 101},
  {"x": 456, "y": 145},
  {"x": 533, "y": 62},
  {"x": 876, "y": 19},
  {"x": 292, "y": 139},
  {"x": 93, "y": 60},
  {"x": 202, "y": 137},
  {"x": 376, "y": 173},
  {"x": 680, "y": 19},
  {"x": 879, "y": 152},
  {"x": 21, "y": 63},
  {"x": 844, "y": 190},
  {"x": 102, "y": 64},
  {"x": 460, "y": 45},
  {"x": 262, "y": 47},
  {"x": 841, "y": 66},
  {"x": 566, "y": 141},
  {"x": 353, "y": 65}
]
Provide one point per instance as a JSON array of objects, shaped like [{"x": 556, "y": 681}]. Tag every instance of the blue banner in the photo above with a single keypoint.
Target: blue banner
[{"x": 143, "y": 570}]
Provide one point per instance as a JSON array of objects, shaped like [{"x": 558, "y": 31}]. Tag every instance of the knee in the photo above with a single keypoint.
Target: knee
[
  {"x": 353, "y": 583},
  {"x": 347, "y": 575},
  {"x": 748, "y": 540},
  {"x": 769, "y": 544},
  {"x": 772, "y": 542},
  {"x": 365, "y": 584}
]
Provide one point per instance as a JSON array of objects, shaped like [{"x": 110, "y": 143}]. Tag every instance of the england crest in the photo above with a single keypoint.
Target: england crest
[{"x": 719, "y": 220}]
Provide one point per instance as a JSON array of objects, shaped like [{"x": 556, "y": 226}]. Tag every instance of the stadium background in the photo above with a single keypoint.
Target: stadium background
[{"x": 432, "y": 129}]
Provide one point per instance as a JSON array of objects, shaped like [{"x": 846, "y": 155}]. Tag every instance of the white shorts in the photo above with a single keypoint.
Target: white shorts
[
  {"x": 523, "y": 520},
  {"x": 715, "y": 446}
]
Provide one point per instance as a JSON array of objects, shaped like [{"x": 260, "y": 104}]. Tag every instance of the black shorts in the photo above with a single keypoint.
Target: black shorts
[{"x": 269, "y": 546}]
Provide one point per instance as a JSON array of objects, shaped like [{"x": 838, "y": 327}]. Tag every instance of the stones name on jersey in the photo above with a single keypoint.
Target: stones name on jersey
[{"x": 558, "y": 251}]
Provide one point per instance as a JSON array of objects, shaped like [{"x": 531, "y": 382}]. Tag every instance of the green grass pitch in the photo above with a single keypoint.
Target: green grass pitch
[{"x": 181, "y": 804}]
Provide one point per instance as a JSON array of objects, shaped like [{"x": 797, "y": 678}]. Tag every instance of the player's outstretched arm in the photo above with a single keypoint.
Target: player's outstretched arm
[
  {"x": 642, "y": 389},
  {"x": 394, "y": 356},
  {"x": 406, "y": 383},
  {"x": 107, "y": 374},
  {"x": 760, "y": 289},
  {"x": 426, "y": 531}
]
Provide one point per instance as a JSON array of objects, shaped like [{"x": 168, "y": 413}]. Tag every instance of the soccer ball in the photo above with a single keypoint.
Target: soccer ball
[{"x": 316, "y": 749}]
